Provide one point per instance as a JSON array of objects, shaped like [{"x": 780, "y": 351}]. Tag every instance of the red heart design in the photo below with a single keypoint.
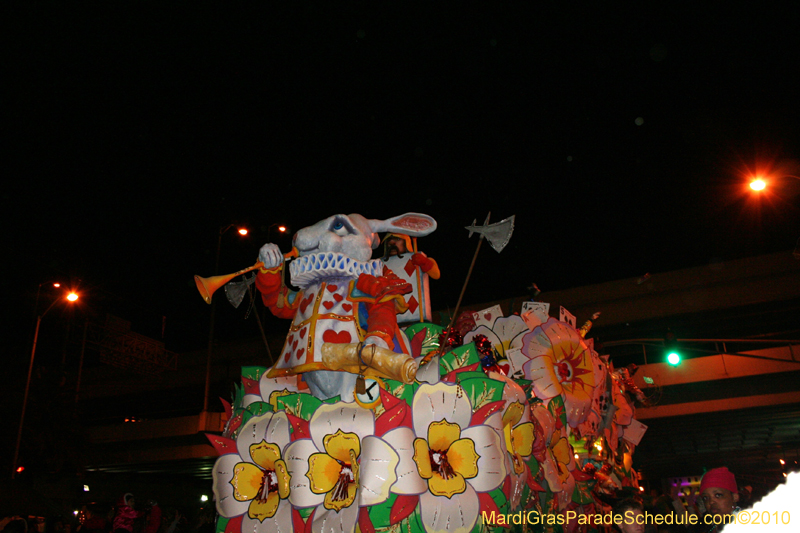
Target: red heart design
[
  {"x": 287, "y": 356},
  {"x": 487, "y": 316},
  {"x": 294, "y": 345},
  {"x": 332, "y": 288},
  {"x": 303, "y": 333},
  {"x": 306, "y": 302},
  {"x": 347, "y": 307},
  {"x": 328, "y": 305},
  {"x": 300, "y": 353},
  {"x": 338, "y": 297},
  {"x": 341, "y": 337}
]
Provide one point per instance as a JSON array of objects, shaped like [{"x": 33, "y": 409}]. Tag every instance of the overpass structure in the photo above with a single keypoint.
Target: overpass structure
[{"x": 734, "y": 400}]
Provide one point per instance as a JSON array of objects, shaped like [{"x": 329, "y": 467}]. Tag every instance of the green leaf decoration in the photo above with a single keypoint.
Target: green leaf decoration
[
  {"x": 458, "y": 358},
  {"x": 431, "y": 340},
  {"x": 583, "y": 492},
  {"x": 480, "y": 389},
  {"x": 400, "y": 390},
  {"x": 557, "y": 409},
  {"x": 253, "y": 372},
  {"x": 301, "y": 405},
  {"x": 259, "y": 408},
  {"x": 238, "y": 397}
]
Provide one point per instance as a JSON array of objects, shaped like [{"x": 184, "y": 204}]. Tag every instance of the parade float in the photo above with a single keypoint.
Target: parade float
[{"x": 375, "y": 419}]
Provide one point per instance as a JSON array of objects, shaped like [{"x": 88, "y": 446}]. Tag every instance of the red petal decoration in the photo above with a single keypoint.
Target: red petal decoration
[
  {"x": 488, "y": 506},
  {"x": 297, "y": 520},
  {"x": 222, "y": 445},
  {"x": 416, "y": 342},
  {"x": 299, "y": 427},
  {"x": 250, "y": 386},
  {"x": 234, "y": 525},
  {"x": 364, "y": 522},
  {"x": 228, "y": 409},
  {"x": 310, "y": 519},
  {"x": 399, "y": 415},
  {"x": 403, "y": 506},
  {"x": 480, "y": 416},
  {"x": 450, "y": 377}
]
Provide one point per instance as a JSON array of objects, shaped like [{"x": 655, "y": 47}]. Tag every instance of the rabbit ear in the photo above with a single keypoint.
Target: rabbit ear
[{"x": 412, "y": 224}]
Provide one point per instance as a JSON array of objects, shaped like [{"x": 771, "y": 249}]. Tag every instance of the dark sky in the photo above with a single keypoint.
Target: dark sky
[{"x": 620, "y": 139}]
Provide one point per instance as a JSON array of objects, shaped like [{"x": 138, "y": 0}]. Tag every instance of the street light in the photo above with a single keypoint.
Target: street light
[
  {"x": 759, "y": 183},
  {"x": 71, "y": 297},
  {"x": 241, "y": 231},
  {"x": 280, "y": 227}
]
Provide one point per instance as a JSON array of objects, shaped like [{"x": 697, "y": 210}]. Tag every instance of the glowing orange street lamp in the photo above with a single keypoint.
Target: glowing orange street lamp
[{"x": 72, "y": 296}]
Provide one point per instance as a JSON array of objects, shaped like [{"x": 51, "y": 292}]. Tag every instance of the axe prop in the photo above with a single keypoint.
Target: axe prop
[{"x": 498, "y": 235}]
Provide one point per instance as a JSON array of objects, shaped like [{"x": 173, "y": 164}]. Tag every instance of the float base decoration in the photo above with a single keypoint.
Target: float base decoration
[{"x": 467, "y": 451}]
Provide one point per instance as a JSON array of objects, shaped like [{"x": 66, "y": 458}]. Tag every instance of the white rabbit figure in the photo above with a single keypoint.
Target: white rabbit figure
[{"x": 345, "y": 296}]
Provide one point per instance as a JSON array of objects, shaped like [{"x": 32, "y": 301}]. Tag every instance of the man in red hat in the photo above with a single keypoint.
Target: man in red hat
[{"x": 719, "y": 493}]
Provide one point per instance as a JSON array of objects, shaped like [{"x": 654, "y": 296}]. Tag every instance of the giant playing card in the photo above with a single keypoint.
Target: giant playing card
[{"x": 418, "y": 300}]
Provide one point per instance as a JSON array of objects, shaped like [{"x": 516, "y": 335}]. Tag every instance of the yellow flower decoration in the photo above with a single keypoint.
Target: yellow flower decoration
[
  {"x": 274, "y": 395},
  {"x": 264, "y": 483},
  {"x": 519, "y": 438},
  {"x": 561, "y": 452},
  {"x": 335, "y": 473},
  {"x": 445, "y": 459}
]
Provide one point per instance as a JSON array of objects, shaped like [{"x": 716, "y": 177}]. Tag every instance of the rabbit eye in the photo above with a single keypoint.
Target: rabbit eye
[{"x": 341, "y": 227}]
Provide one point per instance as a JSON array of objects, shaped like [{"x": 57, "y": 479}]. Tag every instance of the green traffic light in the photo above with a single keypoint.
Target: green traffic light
[{"x": 674, "y": 358}]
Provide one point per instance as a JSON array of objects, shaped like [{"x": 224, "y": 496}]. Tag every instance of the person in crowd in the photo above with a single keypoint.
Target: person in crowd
[
  {"x": 126, "y": 514},
  {"x": 632, "y": 514},
  {"x": 719, "y": 494}
]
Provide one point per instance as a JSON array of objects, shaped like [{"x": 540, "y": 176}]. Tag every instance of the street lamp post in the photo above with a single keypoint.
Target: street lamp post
[
  {"x": 70, "y": 297},
  {"x": 242, "y": 231}
]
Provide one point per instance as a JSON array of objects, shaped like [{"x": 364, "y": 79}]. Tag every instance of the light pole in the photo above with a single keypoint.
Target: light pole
[
  {"x": 241, "y": 231},
  {"x": 72, "y": 296}
]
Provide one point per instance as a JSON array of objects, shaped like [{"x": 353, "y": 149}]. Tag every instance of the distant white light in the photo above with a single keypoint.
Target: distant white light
[
  {"x": 203, "y": 498},
  {"x": 86, "y": 488}
]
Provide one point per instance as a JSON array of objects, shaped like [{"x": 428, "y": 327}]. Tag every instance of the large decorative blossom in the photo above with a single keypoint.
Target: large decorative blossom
[
  {"x": 254, "y": 481},
  {"x": 560, "y": 363},
  {"x": 457, "y": 460},
  {"x": 505, "y": 334},
  {"x": 341, "y": 467},
  {"x": 519, "y": 436}
]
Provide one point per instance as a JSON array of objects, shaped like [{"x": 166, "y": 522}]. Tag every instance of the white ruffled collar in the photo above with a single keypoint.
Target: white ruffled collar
[{"x": 313, "y": 268}]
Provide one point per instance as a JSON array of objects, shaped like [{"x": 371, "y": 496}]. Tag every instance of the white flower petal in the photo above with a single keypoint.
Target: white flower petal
[
  {"x": 458, "y": 514},
  {"x": 278, "y": 430},
  {"x": 252, "y": 432},
  {"x": 408, "y": 479},
  {"x": 429, "y": 372},
  {"x": 540, "y": 370},
  {"x": 269, "y": 385},
  {"x": 281, "y": 522},
  {"x": 378, "y": 466},
  {"x": 492, "y": 461},
  {"x": 347, "y": 417},
  {"x": 296, "y": 458},
  {"x": 329, "y": 521},
  {"x": 442, "y": 401},
  {"x": 222, "y": 475}
]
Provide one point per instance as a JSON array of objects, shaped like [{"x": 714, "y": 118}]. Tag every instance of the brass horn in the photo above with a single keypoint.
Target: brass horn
[{"x": 208, "y": 286}]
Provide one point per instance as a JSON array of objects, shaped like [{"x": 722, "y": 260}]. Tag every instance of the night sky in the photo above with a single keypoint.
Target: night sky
[{"x": 620, "y": 138}]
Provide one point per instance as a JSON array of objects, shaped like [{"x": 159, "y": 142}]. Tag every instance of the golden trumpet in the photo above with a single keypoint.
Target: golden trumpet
[{"x": 208, "y": 286}]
